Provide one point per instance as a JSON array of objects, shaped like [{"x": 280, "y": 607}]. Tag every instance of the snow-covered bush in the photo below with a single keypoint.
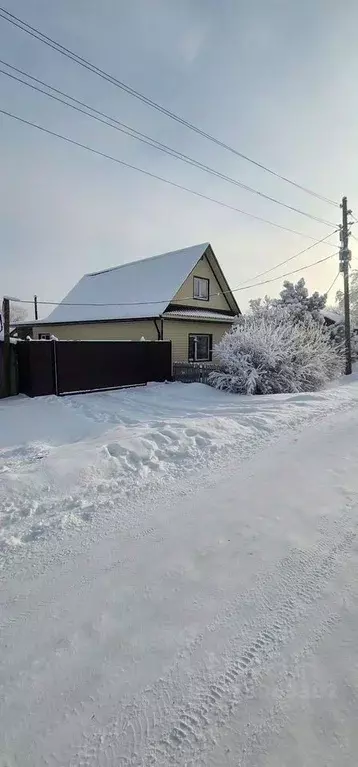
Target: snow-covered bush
[{"x": 268, "y": 353}]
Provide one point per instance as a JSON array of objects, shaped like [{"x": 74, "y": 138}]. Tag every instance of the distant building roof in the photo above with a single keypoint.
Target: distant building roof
[{"x": 332, "y": 316}]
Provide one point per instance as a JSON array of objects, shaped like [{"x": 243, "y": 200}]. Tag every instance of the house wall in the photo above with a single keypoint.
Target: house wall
[
  {"x": 109, "y": 331},
  {"x": 177, "y": 331},
  {"x": 202, "y": 269}
]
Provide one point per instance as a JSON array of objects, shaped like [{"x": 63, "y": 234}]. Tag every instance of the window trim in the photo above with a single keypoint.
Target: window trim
[
  {"x": 209, "y": 336},
  {"x": 203, "y": 279},
  {"x": 44, "y": 337}
]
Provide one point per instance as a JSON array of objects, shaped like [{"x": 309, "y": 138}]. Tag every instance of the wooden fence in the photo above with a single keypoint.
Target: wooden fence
[{"x": 65, "y": 367}]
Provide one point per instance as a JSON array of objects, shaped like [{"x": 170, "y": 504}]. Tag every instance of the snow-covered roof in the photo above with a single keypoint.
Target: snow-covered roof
[
  {"x": 199, "y": 314},
  {"x": 148, "y": 286},
  {"x": 332, "y": 315}
]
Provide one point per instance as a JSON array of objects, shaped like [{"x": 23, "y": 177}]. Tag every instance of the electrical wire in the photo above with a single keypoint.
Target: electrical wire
[
  {"x": 188, "y": 298},
  {"x": 153, "y": 175},
  {"x": 281, "y": 276},
  {"x": 287, "y": 260},
  {"x": 332, "y": 285},
  {"x": 143, "y": 138},
  {"x": 46, "y": 40}
]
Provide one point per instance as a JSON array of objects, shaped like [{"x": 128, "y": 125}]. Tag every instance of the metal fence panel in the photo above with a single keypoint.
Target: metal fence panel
[
  {"x": 62, "y": 367},
  {"x": 13, "y": 377},
  {"x": 35, "y": 368}
]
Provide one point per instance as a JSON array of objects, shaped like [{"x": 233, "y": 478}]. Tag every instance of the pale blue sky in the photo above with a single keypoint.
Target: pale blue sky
[{"x": 277, "y": 80}]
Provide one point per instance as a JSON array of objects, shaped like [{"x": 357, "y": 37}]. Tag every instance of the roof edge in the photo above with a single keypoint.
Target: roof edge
[
  {"x": 220, "y": 276},
  {"x": 37, "y": 323},
  {"x": 204, "y": 245}
]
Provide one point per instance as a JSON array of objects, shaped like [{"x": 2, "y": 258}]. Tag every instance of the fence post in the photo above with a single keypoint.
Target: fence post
[
  {"x": 5, "y": 378},
  {"x": 54, "y": 365}
]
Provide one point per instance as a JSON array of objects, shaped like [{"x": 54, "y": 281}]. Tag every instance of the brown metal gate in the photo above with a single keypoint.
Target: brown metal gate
[{"x": 65, "y": 367}]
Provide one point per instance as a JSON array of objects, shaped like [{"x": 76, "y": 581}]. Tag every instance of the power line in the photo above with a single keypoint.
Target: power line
[
  {"x": 145, "y": 139},
  {"x": 152, "y": 175},
  {"x": 287, "y": 274},
  {"x": 333, "y": 283},
  {"x": 187, "y": 298},
  {"x": 41, "y": 37},
  {"x": 287, "y": 260}
]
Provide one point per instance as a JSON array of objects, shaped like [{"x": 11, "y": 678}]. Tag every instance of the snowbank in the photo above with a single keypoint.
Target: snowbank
[{"x": 65, "y": 462}]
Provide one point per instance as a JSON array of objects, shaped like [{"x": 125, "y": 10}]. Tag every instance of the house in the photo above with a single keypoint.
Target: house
[{"x": 181, "y": 296}]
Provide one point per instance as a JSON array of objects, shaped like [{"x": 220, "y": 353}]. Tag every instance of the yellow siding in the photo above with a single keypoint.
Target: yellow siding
[
  {"x": 202, "y": 269},
  {"x": 107, "y": 331},
  {"x": 178, "y": 331}
]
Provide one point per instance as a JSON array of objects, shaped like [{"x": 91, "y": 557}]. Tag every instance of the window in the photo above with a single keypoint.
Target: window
[
  {"x": 201, "y": 288},
  {"x": 44, "y": 336},
  {"x": 200, "y": 347}
]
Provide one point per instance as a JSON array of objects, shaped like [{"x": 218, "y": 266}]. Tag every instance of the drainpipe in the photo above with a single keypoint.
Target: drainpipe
[
  {"x": 160, "y": 329},
  {"x": 157, "y": 329}
]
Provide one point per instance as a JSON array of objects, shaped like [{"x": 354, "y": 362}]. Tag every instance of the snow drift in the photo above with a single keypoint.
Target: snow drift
[{"x": 86, "y": 459}]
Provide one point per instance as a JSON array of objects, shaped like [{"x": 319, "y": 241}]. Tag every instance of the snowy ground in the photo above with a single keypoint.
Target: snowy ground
[
  {"x": 91, "y": 458},
  {"x": 179, "y": 582}
]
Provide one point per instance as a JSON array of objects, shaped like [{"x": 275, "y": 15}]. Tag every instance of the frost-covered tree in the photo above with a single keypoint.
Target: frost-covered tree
[
  {"x": 18, "y": 313},
  {"x": 353, "y": 297},
  {"x": 272, "y": 353},
  {"x": 337, "y": 335},
  {"x": 259, "y": 306},
  {"x": 295, "y": 299},
  {"x": 337, "y": 331}
]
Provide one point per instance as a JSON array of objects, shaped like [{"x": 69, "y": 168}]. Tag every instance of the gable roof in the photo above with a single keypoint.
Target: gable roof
[{"x": 148, "y": 287}]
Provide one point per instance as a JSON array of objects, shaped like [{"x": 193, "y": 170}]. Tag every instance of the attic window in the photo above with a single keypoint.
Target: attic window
[{"x": 201, "y": 288}]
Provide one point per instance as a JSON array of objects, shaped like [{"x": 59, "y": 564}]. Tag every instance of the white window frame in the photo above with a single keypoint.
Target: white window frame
[
  {"x": 195, "y": 337},
  {"x": 44, "y": 336},
  {"x": 199, "y": 292}
]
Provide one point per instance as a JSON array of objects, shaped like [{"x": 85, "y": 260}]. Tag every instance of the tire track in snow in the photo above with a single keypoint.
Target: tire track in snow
[
  {"x": 260, "y": 735},
  {"x": 216, "y": 702},
  {"x": 195, "y": 703},
  {"x": 252, "y": 739}
]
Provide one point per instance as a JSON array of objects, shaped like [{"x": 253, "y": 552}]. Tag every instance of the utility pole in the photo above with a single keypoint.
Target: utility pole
[
  {"x": 35, "y": 308},
  {"x": 344, "y": 259},
  {"x": 6, "y": 363}
]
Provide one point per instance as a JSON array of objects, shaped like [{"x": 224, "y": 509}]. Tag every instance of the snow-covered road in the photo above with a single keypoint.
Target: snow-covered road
[{"x": 212, "y": 620}]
